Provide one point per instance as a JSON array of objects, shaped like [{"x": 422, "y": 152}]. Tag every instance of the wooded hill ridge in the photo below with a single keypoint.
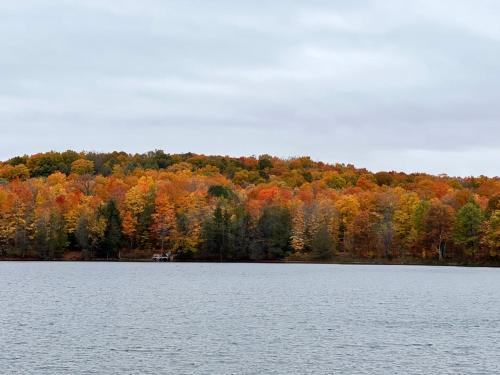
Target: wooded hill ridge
[{"x": 90, "y": 205}]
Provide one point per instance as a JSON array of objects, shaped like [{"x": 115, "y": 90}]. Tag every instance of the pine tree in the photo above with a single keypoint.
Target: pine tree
[
  {"x": 113, "y": 231},
  {"x": 467, "y": 227},
  {"x": 322, "y": 243}
]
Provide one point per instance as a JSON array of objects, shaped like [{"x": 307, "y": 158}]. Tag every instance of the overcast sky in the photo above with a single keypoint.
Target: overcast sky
[{"x": 386, "y": 85}]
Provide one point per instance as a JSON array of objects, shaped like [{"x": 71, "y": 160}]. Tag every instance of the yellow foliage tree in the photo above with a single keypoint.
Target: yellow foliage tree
[{"x": 82, "y": 166}]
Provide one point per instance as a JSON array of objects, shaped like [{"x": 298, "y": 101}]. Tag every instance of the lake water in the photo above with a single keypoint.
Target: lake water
[{"x": 181, "y": 318}]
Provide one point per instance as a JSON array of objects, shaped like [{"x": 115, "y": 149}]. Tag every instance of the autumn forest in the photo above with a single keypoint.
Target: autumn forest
[{"x": 96, "y": 206}]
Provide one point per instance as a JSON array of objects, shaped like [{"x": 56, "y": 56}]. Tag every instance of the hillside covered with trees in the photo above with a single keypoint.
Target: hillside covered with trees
[{"x": 216, "y": 208}]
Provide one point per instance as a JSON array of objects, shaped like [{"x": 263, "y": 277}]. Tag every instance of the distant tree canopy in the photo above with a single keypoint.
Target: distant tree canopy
[{"x": 221, "y": 208}]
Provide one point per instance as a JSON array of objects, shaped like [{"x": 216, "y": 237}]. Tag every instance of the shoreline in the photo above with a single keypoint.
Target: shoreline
[{"x": 374, "y": 262}]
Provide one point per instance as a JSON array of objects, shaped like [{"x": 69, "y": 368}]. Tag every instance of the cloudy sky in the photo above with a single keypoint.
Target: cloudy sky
[{"x": 387, "y": 85}]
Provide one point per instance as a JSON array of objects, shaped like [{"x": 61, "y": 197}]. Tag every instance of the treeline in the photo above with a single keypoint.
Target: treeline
[{"x": 117, "y": 205}]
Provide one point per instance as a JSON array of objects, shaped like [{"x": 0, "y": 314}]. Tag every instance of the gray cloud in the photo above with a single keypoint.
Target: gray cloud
[{"x": 382, "y": 84}]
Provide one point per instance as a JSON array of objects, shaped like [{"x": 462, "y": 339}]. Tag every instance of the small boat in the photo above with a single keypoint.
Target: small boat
[{"x": 162, "y": 257}]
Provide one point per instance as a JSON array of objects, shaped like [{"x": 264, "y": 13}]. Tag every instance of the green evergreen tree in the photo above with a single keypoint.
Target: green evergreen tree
[
  {"x": 113, "y": 236},
  {"x": 322, "y": 244},
  {"x": 241, "y": 235},
  {"x": 274, "y": 230},
  {"x": 82, "y": 235},
  {"x": 467, "y": 227},
  {"x": 216, "y": 236},
  {"x": 57, "y": 239},
  {"x": 40, "y": 242}
]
